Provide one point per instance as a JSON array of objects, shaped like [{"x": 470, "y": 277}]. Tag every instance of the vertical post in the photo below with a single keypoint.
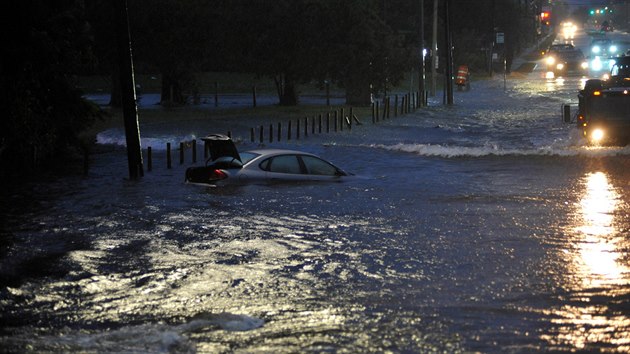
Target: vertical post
[
  {"x": 327, "y": 122},
  {"x": 279, "y": 130},
  {"x": 149, "y": 159},
  {"x": 350, "y": 119},
  {"x": 194, "y": 150},
  {"x": 305, "y": 127},
  {"x": 254, "y": 95},
  {"x": 342, "y": 120},
  {"x": 128, "y": 89},
  {"x": 319, "y": 119},
  {"x": 396, "y": 106},
  {"x": 289, "y": 131},
  {"x": 373, "y": 113},
  {"x": 262, "y": 134},
  {"x": 297, "y": 130},
  {"x": 327, "y": 93},
  {"x": 335, "y": 120},
  {"x": 251, "y": 135},
  {"x": 168, "y": 156},
  {"x": 270, "y": 133},
  {"x": 216, "y": 94},
  {"x": 181, "y": 153}
]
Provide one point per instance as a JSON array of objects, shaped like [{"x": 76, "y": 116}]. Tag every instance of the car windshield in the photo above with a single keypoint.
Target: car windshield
[
  {"x": 571, "y": 54},
  {"x": 560, "y": 47}
]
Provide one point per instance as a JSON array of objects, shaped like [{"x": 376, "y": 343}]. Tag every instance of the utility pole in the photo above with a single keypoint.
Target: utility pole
[
  {"x": 128, "y": 92},
  {"x": 448, "y": 71},
  {"x": 434, "y": 49},
  {"x": 421, "y": 85}
]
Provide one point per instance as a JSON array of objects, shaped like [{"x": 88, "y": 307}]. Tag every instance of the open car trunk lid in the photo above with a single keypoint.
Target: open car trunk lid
[{"x": 220, "y": 145}]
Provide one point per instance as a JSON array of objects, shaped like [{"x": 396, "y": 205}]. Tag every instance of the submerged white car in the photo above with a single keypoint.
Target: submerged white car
[{"x": 227, "y": 166}]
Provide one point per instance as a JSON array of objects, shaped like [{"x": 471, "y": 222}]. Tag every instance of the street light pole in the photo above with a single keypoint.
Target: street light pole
[
  {"x": 448, "y": 71},
  {"x": 434, "y": 49},
  {"x": 421, "y": 85},
  {"x": 128, "y": 92}
]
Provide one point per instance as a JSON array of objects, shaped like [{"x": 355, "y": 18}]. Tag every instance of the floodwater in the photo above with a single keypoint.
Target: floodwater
[{"x": 487, "y": 226}]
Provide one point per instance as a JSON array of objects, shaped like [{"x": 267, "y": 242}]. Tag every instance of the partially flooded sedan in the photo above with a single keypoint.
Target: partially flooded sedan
[{"x": 227, "y": 166}]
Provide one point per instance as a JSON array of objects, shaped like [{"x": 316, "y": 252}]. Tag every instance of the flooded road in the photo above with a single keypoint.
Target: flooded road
[{"x": 487, "y": 226}]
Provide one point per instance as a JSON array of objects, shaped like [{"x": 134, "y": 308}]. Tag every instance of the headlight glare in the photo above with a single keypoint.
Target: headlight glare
[{"x": 597, "y": 135}]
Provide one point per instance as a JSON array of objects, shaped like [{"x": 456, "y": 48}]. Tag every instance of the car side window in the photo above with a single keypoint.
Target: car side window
[
  {"x": 315, "y": 166},
  {"x": 284, "y": 164},
  {"x": 615, "y": 70}
]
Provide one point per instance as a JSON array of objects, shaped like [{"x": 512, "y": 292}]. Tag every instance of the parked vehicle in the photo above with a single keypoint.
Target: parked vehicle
[
  {"x": 604, "y": 107},
  {"x": 227, "y": 166}
]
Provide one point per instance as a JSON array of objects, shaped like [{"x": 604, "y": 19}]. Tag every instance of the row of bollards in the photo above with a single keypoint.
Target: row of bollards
[
  {"x": 334, "y": 121},
  {"x": 338, "y": 120}
]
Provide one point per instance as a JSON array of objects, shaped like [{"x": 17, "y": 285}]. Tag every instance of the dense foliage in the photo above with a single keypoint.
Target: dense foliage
[{"x": 42, "y": 113}]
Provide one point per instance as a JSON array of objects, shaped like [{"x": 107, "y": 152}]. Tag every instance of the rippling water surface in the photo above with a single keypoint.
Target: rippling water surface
[{"x": 486, "y": 226}]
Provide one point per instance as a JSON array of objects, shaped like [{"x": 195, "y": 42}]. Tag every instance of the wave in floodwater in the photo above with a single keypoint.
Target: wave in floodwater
[
  {"x": 454, "y": 151},
  {"x": 117, "y": 137},
  {"x": 153, "y": 338}
]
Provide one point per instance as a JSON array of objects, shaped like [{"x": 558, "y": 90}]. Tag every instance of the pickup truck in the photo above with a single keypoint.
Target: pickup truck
[{"x": 604, "y": 106}]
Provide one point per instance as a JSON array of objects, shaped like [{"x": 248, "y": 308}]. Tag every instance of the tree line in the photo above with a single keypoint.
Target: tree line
[{"x": 362, "y": 46}]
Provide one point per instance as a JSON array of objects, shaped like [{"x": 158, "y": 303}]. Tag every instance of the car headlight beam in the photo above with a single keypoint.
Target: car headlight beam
[{"x": 597, "y": 135}]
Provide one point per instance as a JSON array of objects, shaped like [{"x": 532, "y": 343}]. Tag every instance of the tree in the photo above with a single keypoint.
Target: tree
[
  {"x": 43, "y": 114},
  {"x": 170, "y": 35}
]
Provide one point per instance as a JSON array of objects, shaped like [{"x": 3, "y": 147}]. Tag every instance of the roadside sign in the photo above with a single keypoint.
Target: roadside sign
[{"x": 500, "y": 37}]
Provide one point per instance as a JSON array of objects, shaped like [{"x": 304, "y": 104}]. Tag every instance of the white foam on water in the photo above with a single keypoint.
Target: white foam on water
[
  {"x": 117, "y": 137},
  {"x": 454, "y": 151}
]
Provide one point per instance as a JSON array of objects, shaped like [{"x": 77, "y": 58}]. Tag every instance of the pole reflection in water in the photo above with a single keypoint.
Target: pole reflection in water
[{"x": 595, "y": 313}]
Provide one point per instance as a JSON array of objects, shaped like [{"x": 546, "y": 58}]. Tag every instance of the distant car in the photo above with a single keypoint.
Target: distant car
[
  {"x": 227, "y": 166},
  {"x": 603, "y": 47},
  {"x": 558, "y": 47},
  {"x": 565, "y": 62}
]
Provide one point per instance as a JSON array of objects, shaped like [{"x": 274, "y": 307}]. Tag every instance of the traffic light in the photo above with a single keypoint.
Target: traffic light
[
  {"x": 544, "y": 17},
  {"x": 592, "y": 12}
]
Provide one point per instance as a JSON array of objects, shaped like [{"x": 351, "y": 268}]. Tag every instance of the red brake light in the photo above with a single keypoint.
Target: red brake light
[{"x": 216, "y": 175}]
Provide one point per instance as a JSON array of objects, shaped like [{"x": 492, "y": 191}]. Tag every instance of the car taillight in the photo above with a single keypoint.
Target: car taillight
[{"x": 216, "y": 175}]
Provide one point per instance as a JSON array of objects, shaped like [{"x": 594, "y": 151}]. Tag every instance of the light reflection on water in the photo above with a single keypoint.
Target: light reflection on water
[{"x": 599, "y": 274}]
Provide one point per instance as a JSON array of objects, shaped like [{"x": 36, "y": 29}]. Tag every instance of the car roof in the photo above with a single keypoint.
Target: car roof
[{"x": 270, "y": 152}]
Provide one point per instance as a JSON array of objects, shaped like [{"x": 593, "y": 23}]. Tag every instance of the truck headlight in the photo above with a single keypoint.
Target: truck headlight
[
  {"x": 550, "y": 60},
  {"x": 613, "y": 49},
  {"x": 560, "y": 66},
  {"x": 597, "y": 135},
  {"x": 584, "y": 65},
  {"x": 596, "y": 49}
]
